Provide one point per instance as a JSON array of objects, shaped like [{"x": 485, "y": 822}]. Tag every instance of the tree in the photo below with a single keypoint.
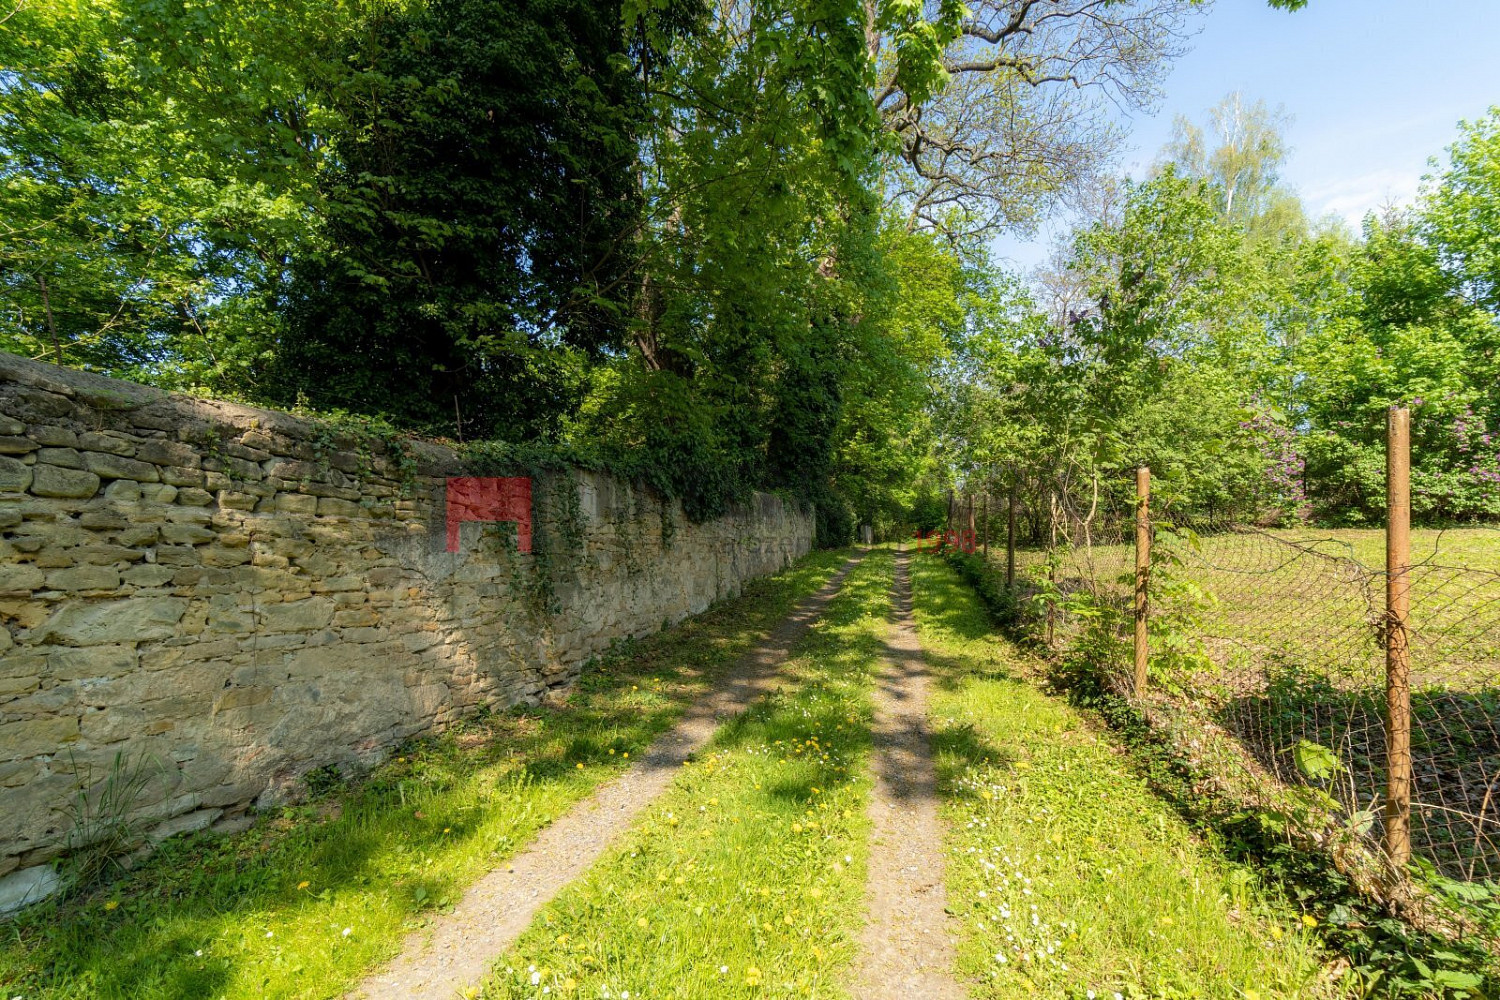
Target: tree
[
  {"x": 477, "y": 218},
  {"x": 1462, "y": 210},
  {"x": 1248, "y": 149},
  {"x": 1024, "y": 114}
]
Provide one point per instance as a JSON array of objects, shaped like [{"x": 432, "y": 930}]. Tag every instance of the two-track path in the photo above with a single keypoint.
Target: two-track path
[
  {"x": 456, "y": 951},
  {"x": 907, "y": 946}
]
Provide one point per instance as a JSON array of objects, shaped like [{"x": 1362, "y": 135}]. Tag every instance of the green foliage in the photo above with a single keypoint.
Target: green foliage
[
  {"x": 1463, "y": 211},
  {"x": 459, "y": 251}
]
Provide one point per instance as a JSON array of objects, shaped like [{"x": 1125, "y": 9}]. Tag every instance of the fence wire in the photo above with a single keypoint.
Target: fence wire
[{"x": 1279, "y": 634}]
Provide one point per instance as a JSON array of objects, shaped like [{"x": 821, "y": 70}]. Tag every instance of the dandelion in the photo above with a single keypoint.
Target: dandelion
[
  {"x": 347, "y": 931},
  {"x": 1309, "y": 920},
  {"x": 641, "y": 923},
  {"x": 113, "y": 904},
  {"x": 302, "y": 885}
]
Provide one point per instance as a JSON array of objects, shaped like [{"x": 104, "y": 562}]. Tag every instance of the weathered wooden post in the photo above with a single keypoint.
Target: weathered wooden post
[
  {"x": 1010, "y": 540},
  {"x": 1052, "y": 570},
  {"x": 986, "y": 526},
  {"x": 1397, "y": 645},
  {"x": 1142, "y": 572}
]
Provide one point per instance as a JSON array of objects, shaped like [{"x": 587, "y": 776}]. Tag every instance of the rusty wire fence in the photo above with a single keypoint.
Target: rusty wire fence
[{"x": 1279, "y": 636}]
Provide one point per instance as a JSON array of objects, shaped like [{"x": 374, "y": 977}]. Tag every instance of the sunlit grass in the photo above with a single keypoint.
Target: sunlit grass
[
  {"x": 746, "y": 878},
  {"x": 1070, "y": 877},
  {"x": 308, "y": 901}
]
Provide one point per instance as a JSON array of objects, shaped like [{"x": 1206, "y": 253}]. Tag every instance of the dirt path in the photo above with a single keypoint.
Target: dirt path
[
  {"x": 456, "y": 950},
  {"x": 907, "y": 945}
]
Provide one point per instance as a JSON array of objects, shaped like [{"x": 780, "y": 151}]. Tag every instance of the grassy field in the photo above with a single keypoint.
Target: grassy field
[
  {"x": 1313, "y": 597},
  {"x": 747, "y": 878},
  {"x": 311, "y": 898},
  {"x": 1291, "y": 624},
  {"x": 1070, "y": 877}
]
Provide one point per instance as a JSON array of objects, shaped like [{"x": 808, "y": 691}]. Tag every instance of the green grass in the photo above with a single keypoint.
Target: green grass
[
  {"x": 1063, "y": 861},
  {"x": 312, "y": 898},
  {"x": 746, "y": 879}
]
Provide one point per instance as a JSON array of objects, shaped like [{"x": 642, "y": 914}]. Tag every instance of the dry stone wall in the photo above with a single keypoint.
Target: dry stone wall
[{"x": 235, "y": 596}]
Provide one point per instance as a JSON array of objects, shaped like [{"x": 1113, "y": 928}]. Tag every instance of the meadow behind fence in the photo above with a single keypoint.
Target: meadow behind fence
[{"x": 1281, "y": 636}]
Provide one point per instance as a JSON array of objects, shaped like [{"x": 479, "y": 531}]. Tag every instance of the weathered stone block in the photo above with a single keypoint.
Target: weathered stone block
[
  {"x": 148, "y": 575},
  {"x": 298, "y": 616},
  {"x": 293, "y": 503},
  {"x": 194, "y": 497},
  {"x": 19, "y": 578},
  {"x": 237, "y": 501},
  {"x": 15, "y": 475},
  {"x": 172, "y": 453},
  {"x": 14, "y": 445},
  {"x": 84, "y": 578},
  {"x": 53, "y": 481},
  {"x": 34, "y": 737},
  {"x": 136, "y": 619},
  {"x": 334, "y": 507},
  {"x": 23, "y": 888},
  {"x": 186, "y": 534},
  {"x": 10, "y": 425},
  {"x": 114, "y": 444},
  {"x": 106, "y": 555},
  {"x": 107, "y": 466},
  {"x": 183, "y": 477},
  {"x": 81, "y": 663},
  {"x": 66, "y": 458}
]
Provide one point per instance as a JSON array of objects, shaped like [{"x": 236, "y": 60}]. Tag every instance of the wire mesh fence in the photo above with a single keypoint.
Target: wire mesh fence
[{"x": 1279, "y": 636}]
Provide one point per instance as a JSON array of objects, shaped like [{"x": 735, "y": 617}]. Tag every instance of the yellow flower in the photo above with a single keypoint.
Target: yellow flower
[
  {"x": 1309, "y": 920},
  {"x": 580, "y": 767},
  {"x": 752, "y": 976},
  {"x": 1276, "y": 933},
  {"x": 570, "y": 983},
  {"x": 303, "y": 885},
  {"x": 114, "y": 904},
  {"x": 641, "y": 923}
]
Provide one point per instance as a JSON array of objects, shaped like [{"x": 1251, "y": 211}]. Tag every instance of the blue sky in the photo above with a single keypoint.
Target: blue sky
[{"x": 1375, "y": 88}]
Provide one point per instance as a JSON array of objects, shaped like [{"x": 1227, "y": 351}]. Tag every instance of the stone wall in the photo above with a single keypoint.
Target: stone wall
[{"x": 237, "y": 596}]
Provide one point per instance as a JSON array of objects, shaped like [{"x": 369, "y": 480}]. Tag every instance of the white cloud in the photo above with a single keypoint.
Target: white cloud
[{"x": 1352, "y": 197}]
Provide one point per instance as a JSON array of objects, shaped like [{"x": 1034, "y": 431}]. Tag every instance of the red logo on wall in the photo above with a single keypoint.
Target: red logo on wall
[{"x": 487, "y": 499}]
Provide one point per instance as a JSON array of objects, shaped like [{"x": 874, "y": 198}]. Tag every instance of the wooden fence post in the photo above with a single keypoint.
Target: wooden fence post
[
  {"x": 1010, "y": 540},
  {"x": 986, "y": 526},
  {"x": 1397, "y": 645},
  {"x": 1142, "y": 572},
  {"x": 1051, "y": 569}
]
